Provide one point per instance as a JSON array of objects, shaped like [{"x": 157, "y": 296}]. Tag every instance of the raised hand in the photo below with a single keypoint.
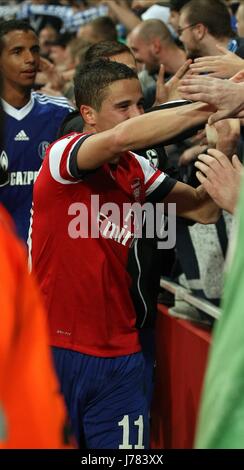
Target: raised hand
[
  {"x": 225, "y": 95},
  {"x": 169, "y": 91},
  {"x": 222, "y": 66},
  {"x": 220, "y": 177}
]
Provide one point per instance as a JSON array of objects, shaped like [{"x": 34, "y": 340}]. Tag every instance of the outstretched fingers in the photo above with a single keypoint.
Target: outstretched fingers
[
  {"x": 205, "y": 169},
  {"x": 207, "y": 185},
  {"x": 183, "y": 69},
  {"x": 194, "y": 85},
  {"x": 236, "y": 163},
  {"x": 218, "y": 116},
  {"x": 238, "y": 77},
  {"x": 214, "y": 158},
  {"x": 161, "y": 74}
]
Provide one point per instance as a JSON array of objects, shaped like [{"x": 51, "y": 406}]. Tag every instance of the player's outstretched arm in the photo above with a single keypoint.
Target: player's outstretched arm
[{"x": 139, "y": 132}]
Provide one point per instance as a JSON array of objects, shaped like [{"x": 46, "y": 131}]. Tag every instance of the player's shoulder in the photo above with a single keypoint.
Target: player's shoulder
[
  {"x": 63, "y": 146},
  {"x": 53, "y": 103},
  {"x": 68, "y": 139}
]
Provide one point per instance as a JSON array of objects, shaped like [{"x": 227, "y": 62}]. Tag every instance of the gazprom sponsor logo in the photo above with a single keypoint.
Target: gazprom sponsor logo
[
  {"x": 16, "y": 178},
  {"x": 22, "y": 178}
]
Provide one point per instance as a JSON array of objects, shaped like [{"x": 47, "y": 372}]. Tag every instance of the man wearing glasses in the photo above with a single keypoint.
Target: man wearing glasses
[{"x": 204, "y": 25}]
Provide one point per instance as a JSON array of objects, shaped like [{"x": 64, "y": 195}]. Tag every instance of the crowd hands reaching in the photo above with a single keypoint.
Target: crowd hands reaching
[{"x": 227, "y": 99}]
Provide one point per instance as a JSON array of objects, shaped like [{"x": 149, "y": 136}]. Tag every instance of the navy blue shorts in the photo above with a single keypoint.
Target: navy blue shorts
[{"x": 106, "y": 399}]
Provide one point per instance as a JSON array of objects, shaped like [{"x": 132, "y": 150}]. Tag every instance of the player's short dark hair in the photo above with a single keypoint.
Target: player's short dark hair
[
  {"x": 105, "y": 49},
  {"x": 93, "y": 78},
  {"x": 13, "y": 25}
]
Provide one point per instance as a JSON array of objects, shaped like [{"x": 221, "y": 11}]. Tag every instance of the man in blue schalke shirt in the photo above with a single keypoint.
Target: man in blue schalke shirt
[{"x": 31, "y": 120}]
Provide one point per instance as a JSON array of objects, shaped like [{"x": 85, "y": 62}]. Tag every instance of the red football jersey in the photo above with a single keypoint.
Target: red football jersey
[{"x": 79, "y": 245}]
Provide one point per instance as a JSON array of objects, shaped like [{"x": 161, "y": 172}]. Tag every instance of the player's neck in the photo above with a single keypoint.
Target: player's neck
[
  {"x": 88, "y": 128},
  {"x": 16, "y": 98}
]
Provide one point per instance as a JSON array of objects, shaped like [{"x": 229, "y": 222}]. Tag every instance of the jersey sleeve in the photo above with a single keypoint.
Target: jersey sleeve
[
  {"x": 63, "y": 159},
  {"x": 157, "y": 183}
]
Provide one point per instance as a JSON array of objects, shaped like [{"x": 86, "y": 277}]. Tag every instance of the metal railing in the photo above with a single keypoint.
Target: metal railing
[{"x": 183, "y": 294}]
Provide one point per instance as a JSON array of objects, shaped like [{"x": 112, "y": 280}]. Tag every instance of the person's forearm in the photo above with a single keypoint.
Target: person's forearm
[
  {"x": 124, "y": 15},
  {"x": 159, "y": 126},
  {"x": 193, "y": 204},
  {"x": 142, "y": 3},
  {"x": 208, "y": 212},
  {"x": 139, "y": 132}
]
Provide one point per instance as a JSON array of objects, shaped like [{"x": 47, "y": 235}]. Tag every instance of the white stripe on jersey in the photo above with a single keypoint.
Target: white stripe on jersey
[
  {"x": 155, "y": 184},
  {"x": 149, "y": 171},
  {"x": 58, "y": 100},
  {"x": 135, "y": 248},
  {"x": 29, "y": 239},
  {"x": 55, "y": 156}
]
